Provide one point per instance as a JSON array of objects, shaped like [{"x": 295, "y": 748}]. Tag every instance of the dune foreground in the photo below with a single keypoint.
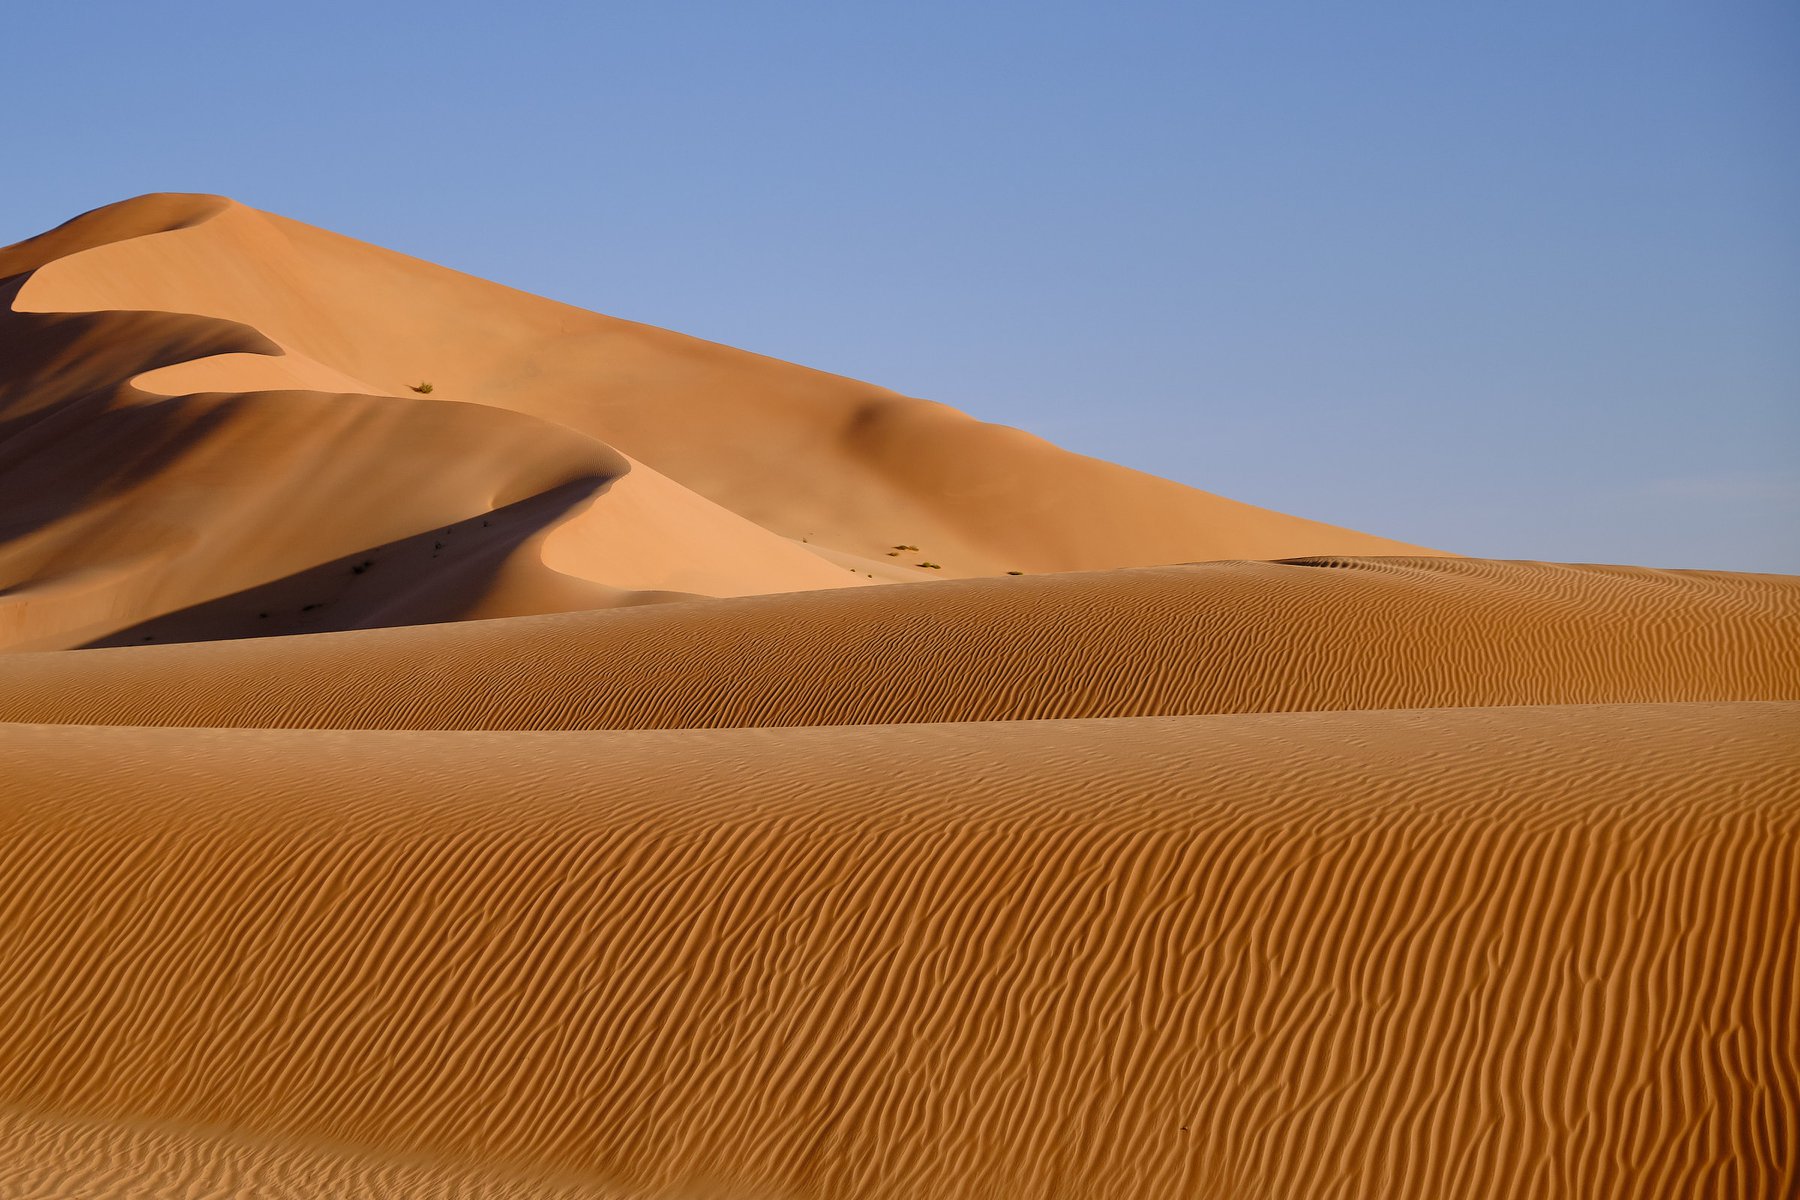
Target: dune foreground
[
  {"x": 1531, "y": 951},
  {"x": 569, "y": 782}
]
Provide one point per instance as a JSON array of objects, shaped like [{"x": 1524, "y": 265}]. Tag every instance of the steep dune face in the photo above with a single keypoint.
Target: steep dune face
[
  {"x": 1514, "y": 952},
  {"x": 1216, "y": 638},
  {"x": 156, "y": 462},
  {"x": 774, "y": 477}
]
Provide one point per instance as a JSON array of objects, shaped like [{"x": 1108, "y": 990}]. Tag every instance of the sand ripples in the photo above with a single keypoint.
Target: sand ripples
[
  {"x": 1504, "y": 952},
  {"x": 1212, "y": 638}
]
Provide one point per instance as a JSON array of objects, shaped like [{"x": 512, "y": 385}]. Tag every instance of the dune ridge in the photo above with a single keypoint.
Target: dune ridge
[
  {"x": 120, "y": 504},
  {"x": 1213, "y": 638},
  {"x": 182, "y": 370}
]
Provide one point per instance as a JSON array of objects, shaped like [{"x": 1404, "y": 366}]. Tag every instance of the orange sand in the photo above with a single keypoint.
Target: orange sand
[
  {"x": 1212, "y": 638},
  {"x": 213, "y": 401},
  {"x": 638, "y": 834},
  {"x": 1550, "y": 949}
]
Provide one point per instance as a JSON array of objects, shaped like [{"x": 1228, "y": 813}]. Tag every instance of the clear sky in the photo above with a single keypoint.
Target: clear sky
[{"x": 1515, "y": 279}]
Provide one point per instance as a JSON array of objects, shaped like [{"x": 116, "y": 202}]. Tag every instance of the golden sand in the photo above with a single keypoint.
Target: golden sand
[{"x": 550, "y": 785}]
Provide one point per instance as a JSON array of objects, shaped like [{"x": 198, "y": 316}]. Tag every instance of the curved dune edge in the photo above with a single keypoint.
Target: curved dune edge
[
  {"x": 646, "y": 536},
  {"x": 235, "y": 493},
  {"x": 163, "y": 473},
  {"x": 1209, "y": 638},
  {"x": 804, "y": 454},
  {"x": 1350, "y": 954},
  {"x": 158, "y": 212},
  {"x": 120, "y": 507},
  {"x": 283, "y": 372},
  {"x": 213, "y": 424}
]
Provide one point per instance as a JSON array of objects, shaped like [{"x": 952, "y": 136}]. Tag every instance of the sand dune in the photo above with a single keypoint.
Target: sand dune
[
  {"x": 1319, "y": 954},
  {"x": 199, "y": 400},
  {"x": 555, "y": 784},
  {"x": 1218, "y": 638}
]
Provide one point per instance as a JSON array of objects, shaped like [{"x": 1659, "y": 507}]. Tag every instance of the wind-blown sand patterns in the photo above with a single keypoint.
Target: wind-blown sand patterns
[{"x": 1523, "y": 952}]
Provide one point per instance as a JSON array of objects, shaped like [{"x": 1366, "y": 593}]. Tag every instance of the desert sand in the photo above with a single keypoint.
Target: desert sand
[
  {"x": 205, "y": 400},
  {"x": 635, "y": 767}
]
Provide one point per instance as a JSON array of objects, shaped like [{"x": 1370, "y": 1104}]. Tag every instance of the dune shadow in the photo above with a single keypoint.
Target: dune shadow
[
  {"x": 431, "y": 577},
  {"x": 73, "y": 430},
  {"x": 1324, "y": 562}
]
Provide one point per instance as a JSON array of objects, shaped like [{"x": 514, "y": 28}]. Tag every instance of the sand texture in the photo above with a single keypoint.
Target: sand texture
[
  {"x": 1211, "y": 638},
  {"x": 1524, "y": 952},
  {"x": 549, "y": 785}
]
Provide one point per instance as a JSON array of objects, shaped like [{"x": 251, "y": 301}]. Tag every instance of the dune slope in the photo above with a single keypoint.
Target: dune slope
[
  {"x": 1222, "y": 637},
  {"x": 1232, "y": 956},
  {"x": 199, "y": 400}
]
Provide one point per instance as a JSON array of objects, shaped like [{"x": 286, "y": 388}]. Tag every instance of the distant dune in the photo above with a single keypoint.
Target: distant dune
[
  {"x": 553, "y": 784},
  {"x": 206, "y": 401}
]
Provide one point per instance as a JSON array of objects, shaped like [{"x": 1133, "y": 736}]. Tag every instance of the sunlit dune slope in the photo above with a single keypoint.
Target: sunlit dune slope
[
  {"x": 199, "y": 400},
  {"x": 118, "y": 504},
  {"x": 1219, "y": 637},
  {"x": 1529, "y": 952}
]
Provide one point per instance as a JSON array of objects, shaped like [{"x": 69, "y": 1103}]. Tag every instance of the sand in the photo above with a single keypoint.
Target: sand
[
  {"x": 549, "y": 786},
  {"x": 1548, "y": 948},
  {"x": 210, "y": 401},
  {"x": 1166, "y": 641}
]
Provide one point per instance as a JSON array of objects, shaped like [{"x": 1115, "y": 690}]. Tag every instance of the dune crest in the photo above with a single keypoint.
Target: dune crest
[
  {"x": 182, "y": 319},
  {"x": 1163, "y": 641}
]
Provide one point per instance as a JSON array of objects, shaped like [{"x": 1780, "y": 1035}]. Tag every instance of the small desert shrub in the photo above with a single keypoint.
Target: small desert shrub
[{"x": 424, "y": 389}]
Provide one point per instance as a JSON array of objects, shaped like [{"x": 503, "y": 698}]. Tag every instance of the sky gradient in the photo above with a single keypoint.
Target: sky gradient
[{"x": 1513, "y": 280}]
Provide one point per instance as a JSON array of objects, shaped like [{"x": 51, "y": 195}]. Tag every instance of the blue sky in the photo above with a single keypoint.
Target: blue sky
[{"x": 1518, "y": 280}]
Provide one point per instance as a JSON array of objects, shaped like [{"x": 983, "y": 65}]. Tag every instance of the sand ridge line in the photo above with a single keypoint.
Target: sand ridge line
[{"x": 1210, "y": 638}]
